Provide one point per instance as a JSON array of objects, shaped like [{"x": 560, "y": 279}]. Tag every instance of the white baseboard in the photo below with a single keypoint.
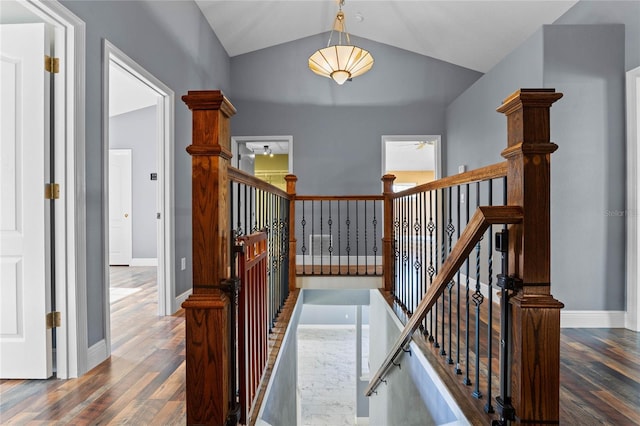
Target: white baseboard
[
  {"x": 144, "y": 261},
  {"x": 179, "y": 299},
  {"x": 362, "y": 420},
  {"x": 97, "y": 354},
  {"x": 592, "y": 319}
]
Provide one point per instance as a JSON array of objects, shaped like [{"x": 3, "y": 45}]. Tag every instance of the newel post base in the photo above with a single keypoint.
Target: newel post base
[
  {"x": 535, "y": 384},
  {"x": 388, "y": 253},
  {"x": 207, "y": 363}
]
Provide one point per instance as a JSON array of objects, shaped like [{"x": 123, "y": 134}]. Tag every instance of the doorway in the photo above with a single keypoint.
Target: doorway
[
  {"x": 269, "y": 158},
  {"x": 138, "y": 127},
  {"x": 413, "y": 159}
]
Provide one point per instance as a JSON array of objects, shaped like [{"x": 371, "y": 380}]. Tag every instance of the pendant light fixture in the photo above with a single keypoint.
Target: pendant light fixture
[{"x": 340, "y": 62}]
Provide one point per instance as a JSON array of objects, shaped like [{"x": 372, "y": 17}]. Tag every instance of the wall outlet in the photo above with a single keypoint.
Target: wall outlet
[
  {"x": 462, "y": 168},
  {"x": 183, "y": 263}
]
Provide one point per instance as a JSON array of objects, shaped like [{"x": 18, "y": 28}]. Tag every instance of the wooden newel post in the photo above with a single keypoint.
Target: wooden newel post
[
  {"x": 388, "y": 255},
  {"x": 291, "y": 190},
  {"x": 208, "y": 337},
  {"x": 535, "y": 336}
]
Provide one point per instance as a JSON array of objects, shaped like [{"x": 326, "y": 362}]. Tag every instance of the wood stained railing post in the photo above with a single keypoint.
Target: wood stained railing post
[
  {"x": 535, "y": 337},
  {"x": 388, "y": 255},
  {"x": 208, "y": 336},
  {"x": 291, "y": 190}
]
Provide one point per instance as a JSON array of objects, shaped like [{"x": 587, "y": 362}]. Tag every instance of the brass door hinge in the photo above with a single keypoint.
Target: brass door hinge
[
  {"x": 51, "y": 191},
  {"x": 51, "y": 65},
  {"x": 53, "y": 319}
]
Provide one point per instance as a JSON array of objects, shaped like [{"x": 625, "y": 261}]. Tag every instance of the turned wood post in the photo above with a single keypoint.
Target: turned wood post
[
  {"x": 535, "y": 337},
  {"x": 388, "y": 255},
  {"x": 208, "y": 336},
  {"x": 291, "y": 190}
]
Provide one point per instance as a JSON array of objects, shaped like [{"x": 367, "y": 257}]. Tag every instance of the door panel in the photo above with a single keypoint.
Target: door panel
[
  {"x": 25, "y": 286},
  {"x": 120, "y": 207}
]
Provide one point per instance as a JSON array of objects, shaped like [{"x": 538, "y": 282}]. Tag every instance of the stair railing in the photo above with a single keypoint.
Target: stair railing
[{"x": 530, "y": 393}]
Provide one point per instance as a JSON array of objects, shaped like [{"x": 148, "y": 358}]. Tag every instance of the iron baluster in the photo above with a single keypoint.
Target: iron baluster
[
  {"x": 303, "y": 248},
  {"x": 478, "y": 298},
  {"x": 457, "y": 369},
  {"x": 467, "y": 380},
  {"x": 450, "y": 231},
  {"x": 431, "y": 270},
  {"x": 488, "y": 407}
]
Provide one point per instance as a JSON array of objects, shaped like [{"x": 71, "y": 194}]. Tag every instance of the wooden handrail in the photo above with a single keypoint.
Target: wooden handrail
[
  {"x": 481, "y": 220},
  {"x": 493, "y": 171},
  {"x": 236, "y": 175}
]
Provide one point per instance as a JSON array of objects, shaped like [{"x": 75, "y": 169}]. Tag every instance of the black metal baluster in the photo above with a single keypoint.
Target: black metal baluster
[
  {"x": 436, "y": 344},
  {"x": 488, "y": 407},
  {"x": 396, "y": 246},
  {"x": 312, "y": 249},
  {"x": 442, "y": 259},
  {"x": 339, "y": 240},
  {"x": 348, "y": 223},
  {"x": 416, "y": 247},
  {"x": 423, "y": 245},
  {"x": 375, "y": 240},
  {"x": 467, "y": 380},
  {"x": 457, "y": 369},
  {"x": 304, "y": 247},
  {"x": 330, "y": 249},
  {"x": 366, "y": 248},
  {"x": 478, "y": 298},
  {"x": 321, "y": 234},
  {"x": 450, "y": 231},
  {"x": 357, "y": 239},
  {"x": 432, "y": 270}
]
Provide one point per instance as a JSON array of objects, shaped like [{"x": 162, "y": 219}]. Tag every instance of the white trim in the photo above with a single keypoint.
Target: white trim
[
  {"x": 592, "y": 319},
  {"x": 165, "y": 150},
  {"x": 177, "y": 303},
  {"x": 97, "y": 354},
  {"x": 324, "y": 282},
  {"x": 71, "y": 338},
  {"x": 235, "y": 140},
  {"x": 633, "y": 201},
  {"x": 144, "y": 261},
  {"x": 362, "y": 420}
]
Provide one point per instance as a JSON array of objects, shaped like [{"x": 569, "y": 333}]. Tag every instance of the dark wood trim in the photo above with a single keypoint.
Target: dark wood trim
[{"x": 388, "y": 255}]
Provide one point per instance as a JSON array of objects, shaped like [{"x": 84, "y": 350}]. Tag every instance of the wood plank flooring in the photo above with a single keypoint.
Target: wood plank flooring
[{"x": 143, "y": 381}]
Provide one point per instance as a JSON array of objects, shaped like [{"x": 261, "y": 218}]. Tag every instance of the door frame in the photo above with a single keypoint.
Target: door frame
[
  {"x": 236, "y": 140},
  {"x": 408, "y": 138},
  {"x": 167, "y": 303},
  {"x": 632, "y": 316},
  {"x": 70, "y": 222}
]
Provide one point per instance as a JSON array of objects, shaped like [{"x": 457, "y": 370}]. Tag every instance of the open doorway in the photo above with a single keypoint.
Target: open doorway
[
  {"x": 412, "y": 159},
  {"x": 139, "y": 162},
  {"x": 269, "y": 158}
]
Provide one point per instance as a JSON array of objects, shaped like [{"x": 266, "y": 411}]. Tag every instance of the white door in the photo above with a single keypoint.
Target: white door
[
  {"x": 120, "y": 206},
  {"x": 25, "y": 287}
]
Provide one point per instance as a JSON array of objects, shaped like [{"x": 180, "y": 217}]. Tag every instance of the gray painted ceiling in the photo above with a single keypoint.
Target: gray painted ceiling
[{"x": 474, "y": 34}]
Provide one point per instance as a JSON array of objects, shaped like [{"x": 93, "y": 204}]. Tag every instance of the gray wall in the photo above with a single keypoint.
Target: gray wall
[
  {"x": 136, "y": 130},
  {"x": 280, "y": 404},
  {"x": 586, "y": 63},
  {"x": 608, "y": 12},
  {"x": 174, "y": 42},
  {"x": 410, "y": 397},
  {"x": 337, "y": 129}
]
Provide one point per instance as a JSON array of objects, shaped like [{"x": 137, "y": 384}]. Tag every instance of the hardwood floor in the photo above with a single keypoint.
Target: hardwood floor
[{"x": 143, "y": 381}]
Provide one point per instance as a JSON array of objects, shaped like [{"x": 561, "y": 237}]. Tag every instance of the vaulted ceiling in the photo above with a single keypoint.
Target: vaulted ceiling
[{"x": 473, "y": 34}]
